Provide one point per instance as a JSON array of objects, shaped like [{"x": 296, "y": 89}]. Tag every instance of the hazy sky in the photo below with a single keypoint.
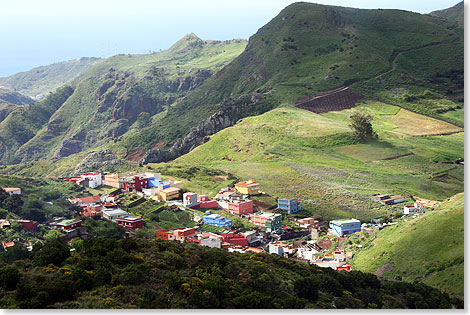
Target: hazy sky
[{"x": 41, "y": 32}]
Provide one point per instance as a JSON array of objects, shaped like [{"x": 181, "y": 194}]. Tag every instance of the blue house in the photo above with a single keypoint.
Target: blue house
[
  {"x": 154, "y": 182},
  {"x": 217, "y": 220},
  {"x": 345, "y": 227},
  {"x": 289, "y": 205}
]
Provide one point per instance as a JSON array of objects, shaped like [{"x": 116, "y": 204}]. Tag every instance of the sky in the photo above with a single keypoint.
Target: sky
[{"x": 36, "y": 33}]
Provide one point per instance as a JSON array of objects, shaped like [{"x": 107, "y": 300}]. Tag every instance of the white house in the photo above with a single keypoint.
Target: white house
[
  {"x": 417, "y": 207},
  {"x": 94, "y": 179},
  {"x": 113, "y": 214}
]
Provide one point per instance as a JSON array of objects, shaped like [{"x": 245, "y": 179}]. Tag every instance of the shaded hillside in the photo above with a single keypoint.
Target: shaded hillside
[
  {"x": 105, "y": 273},
  {"x": 429, "y": 249},
  {"x": 455, "y": 13},
  {"x": 10, "y": 100},
  {"x": 309, "y": 48},
  {"x": 122, "y": 93},
  {"x": 11, "y": 97},
  {"x": 24, "y": 122},
  {"x": 45, "y": 79}
]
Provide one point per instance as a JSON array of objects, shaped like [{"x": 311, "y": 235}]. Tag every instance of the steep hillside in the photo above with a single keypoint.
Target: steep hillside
[
  {"x": 455, "y": 13},
  {"x": 309, "y": 48},
  {"x": 10, "y": 100},
  {"x": 295, "y": 153},
  {"x": 429, "y": 249},
  {"x": 121, "y": 94},
  {"x": 23, "y": 122},
  {"x": 46, "y": 79}
]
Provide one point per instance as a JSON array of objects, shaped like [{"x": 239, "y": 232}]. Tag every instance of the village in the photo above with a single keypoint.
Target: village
[{"x": 311, "y": 240}]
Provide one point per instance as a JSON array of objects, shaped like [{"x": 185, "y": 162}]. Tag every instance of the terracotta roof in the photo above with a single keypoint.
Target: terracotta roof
[
  {"x": 8, "y": 244},
  {"x": 87, "y": 199},
  {"x": 247, "y": 183},
  {"x": 8, "y": 189},
  {"x": 170, "y": 190}
]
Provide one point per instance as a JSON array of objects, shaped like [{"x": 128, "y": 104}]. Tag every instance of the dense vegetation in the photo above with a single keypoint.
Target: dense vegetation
[{"x": 105, "y": 273}]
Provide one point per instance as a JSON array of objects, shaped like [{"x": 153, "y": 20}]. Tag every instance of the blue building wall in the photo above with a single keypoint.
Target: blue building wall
[
  {"x": 345, "y": 228},
  {"x": 212, "y": 219},
  {"x": 289, "y": 205}
]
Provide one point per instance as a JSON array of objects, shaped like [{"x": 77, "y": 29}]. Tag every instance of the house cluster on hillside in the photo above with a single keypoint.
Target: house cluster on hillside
[{"x": 107, "y": 207}]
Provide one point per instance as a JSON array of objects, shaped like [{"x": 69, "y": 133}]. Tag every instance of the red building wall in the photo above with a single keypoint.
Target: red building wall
[{"x": 243, "y": 207}]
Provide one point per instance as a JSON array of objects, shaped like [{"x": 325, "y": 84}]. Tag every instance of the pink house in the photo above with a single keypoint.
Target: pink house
[{"x": 206, "y": 203}]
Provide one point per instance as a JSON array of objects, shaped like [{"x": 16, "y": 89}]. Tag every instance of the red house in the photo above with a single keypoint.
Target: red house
[
  {"x": 179, "y": 234},
  {"x": 346, "y": 267},
  {"x": 28, "y": 225},
  {"x": 130, "y": 222},
  {"x": 206, "y": 203},
  {"x": 92, "y": 210},
  {"x": 241, "y": 239},
  {"x": 67, "y": 224},
  {"x": 136, "y": 184},
  {"x": 240, "y": 207},
  {"x": 235, "y": 238}
]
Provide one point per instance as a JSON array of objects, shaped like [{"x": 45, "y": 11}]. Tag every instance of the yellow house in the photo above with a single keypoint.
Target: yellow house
[
  {"x": 169, "y": 193},
  {"x": 249, "y": 187}
]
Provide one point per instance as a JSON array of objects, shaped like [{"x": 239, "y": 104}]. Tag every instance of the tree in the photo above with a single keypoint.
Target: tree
[
  {"x": 12, "y": 203},
  {"x": 51, "y": 253},
  {"x": 361, "y": 125},
  {"x": 9, "y": 277}
]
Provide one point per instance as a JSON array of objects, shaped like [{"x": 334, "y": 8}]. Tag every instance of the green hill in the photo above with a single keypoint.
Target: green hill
[
  {"x": 309, "y": 48},
  {"x": 428, "y": 249},
  {"x": 174, "y": 99},
  {"x": 46, "y": 79},
  {"x": 455, "y": 13},
  {"x": 294, "y": 153},
  {"x": 109, "y": 97}
]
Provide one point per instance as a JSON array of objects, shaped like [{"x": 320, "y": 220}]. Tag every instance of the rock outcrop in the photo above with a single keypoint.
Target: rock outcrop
[
  {"x": 101, "y": 160},
  {"x": 230, "y": 111}
]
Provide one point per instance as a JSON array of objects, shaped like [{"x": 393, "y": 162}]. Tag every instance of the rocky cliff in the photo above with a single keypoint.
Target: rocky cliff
[
  {"x": 228, "y": 113},
  {"x": 101, "y": 160}
]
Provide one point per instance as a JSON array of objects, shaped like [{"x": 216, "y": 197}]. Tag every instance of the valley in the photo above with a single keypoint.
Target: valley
[{"x": 203, "y": 143}]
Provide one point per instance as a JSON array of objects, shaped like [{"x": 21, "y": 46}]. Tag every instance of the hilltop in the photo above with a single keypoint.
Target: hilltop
[
  {"x": 455, "y": 13},
  {"x": 46, "y": 79},
  {"x": 429, "y": 249}
]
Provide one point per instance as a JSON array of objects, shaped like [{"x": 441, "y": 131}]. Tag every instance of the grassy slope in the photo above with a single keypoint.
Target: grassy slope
[
  {"x": 308, "y": 48},
  {"x": 45, "y": 79},
  {"x": 296, "y": 153},
  {"x": 429, "y": 249}
]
